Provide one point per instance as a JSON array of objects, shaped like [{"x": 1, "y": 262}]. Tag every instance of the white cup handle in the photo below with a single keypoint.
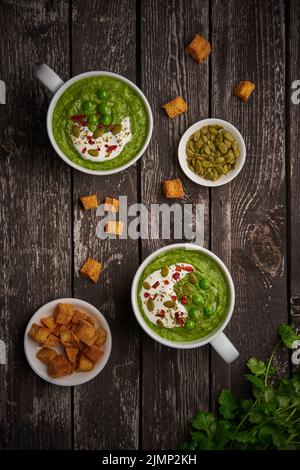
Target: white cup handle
[
  {"x": 225, "y": 348},
  {"x": 49, "y": 78}
]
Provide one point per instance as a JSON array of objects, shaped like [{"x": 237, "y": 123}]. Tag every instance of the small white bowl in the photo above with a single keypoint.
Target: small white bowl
[
  {"x": 31, "y": 347},
  {"x": 225, "y": 178}
]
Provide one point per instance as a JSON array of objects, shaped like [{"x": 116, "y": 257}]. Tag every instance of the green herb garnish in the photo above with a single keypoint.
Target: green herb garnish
[{"x": 270, "y": 419}]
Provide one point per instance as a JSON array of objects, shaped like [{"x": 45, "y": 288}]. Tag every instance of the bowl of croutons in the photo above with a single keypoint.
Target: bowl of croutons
[{"x": 67, "y": 342}]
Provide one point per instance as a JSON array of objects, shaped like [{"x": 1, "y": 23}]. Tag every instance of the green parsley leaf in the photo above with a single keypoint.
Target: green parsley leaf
[
  {"x": 256, "y": 381},
  {"x": 205, "y": 422},
  {"x": 256, "y": 366},
  {"x": 269, "y": 434},
  {"x": 228, "y": 404},
  {"x": 288, "y": 334}
]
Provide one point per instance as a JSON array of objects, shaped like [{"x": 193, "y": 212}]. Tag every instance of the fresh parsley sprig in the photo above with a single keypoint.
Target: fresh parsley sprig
[{"x": 270, "y": 419}]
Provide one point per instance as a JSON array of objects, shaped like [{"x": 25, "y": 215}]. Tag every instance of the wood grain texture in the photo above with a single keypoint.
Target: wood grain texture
[
  {"x": 34, "y": 220},
  {"x": 249, "y": 214},
  {"x": 106, "y": 410},
  {"x": 176, "y": 381},
  {"x": 293, "y": 115}
]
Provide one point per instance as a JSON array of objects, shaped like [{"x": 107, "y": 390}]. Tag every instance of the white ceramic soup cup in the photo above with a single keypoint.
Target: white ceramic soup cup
[
  {"x": 225, "y": 178},
  {"x": 217, "y": 338},
  {"x": 55, "y": 84}
]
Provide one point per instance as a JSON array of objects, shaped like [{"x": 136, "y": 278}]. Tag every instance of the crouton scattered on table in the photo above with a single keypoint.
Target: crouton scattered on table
[
  {"x": 175, "y": 107},
  {"x": 173, "y": 188},
  {"x": 199, "y": 48},
  {"x": 89, "y": 202},
  {"x": 114, "y": 227},
  {"x": 111, "y": 204},
  {"x": 91, "y": 270},
  {"x": 244, "y": 89}
]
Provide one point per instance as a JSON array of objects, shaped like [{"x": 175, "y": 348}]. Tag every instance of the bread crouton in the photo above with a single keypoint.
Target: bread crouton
[
  {"x": 57, "y": 330},
  {"x": 173, "y": 188},
  {"x": 91, "y": 269},
  {"x": 93, "y": 353},
  {"x": 199, "y": 48},
  {"x": 91, "y": 320},
  {"x": 71, "y": 353},
  {"x": 63, "y": 313},
  {"x": 42, "y": 335},
  {"x": 84, "y": 364},
  {"x": 244, "y": 89},
  {"x": 111, "y": 204},
  {"x": 68, "y": 338},
  {"x": 89, "y": 202},
  {"x": 81, "y": 346},
  {"x": 86, "y": 333},
  {"x": 175, "y": 107},
  {"x": 45, "y": 355},
  {"x": 59, "y": 367},
  {"x": 78, "y": 315},
  {"x": 51, "y": 341},
  {"x": 49, "y": 322},
  {"x": 102, "y": 335},
  {"x": 33, "y": 330},
  {"x": 114, "y": 227}
]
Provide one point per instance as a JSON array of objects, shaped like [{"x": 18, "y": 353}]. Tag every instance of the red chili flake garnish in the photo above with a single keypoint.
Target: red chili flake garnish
[
  {"x": 184, "y": 300},
  {"x": 155, "y": 285},
  {"x": 84, "y": 123},
  {"x": 146, "y": 295},
  {"x": 161, "y": 314},
  {"x": 98, "y": 148},
  {"x": 84, "y": 150},
  {"x": 174, "y": 298},
  {"x": 175, "y": 276},
  {"x": 153, "y": 296},
  {"x": 110, "y": 148},
  {"x": 166, "y": 282},
  {"x": 178, "y": 268},
  {"x": 179, "y": 319},
  {"x": 187, "y": 268},
  {"x": 78, "y": 117},
  {"x": 91, "y": 141}
]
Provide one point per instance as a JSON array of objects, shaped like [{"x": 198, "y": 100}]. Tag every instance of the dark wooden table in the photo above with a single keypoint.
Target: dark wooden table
[{"x": 147, "y": 393}]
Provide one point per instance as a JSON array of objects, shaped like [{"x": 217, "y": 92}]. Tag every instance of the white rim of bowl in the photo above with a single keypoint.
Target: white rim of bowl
[
  {"x": 182, "y": 155},
  {"x": 96, "y": 312},
  {"x": 63, "y": 88},
  {"x": 146, "y": 327}
]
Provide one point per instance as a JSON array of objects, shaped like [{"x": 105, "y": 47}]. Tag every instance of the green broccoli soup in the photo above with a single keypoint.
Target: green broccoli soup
[
  {"x": 183, "y": 295},
  {"x": 100, "y": 123}
]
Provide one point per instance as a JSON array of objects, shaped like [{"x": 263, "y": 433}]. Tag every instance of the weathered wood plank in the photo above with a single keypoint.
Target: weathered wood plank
[
  {"x": 175, "y": 383},
  {"x": 293, "y": 160},
  {"x": 107, "y": 409},
  {"x": 34, "y": 220},
  {"x": 249, "y": 215}
]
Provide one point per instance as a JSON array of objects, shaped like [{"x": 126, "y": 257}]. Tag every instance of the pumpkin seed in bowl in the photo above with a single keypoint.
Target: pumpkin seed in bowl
[{"x": 212, "y": 152}]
